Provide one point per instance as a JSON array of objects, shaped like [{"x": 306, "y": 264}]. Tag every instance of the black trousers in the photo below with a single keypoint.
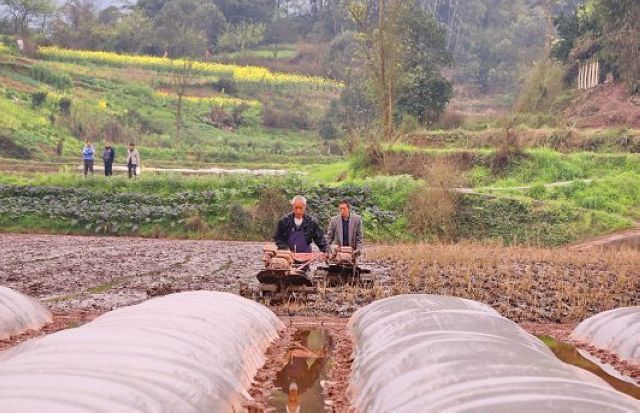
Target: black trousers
[
  {"x": 132, "y": 170},
  {"x": 108, "y": 168},
  {"x": 88, "y": 166}
]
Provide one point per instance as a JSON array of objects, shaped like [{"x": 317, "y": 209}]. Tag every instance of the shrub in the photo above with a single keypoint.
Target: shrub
[
  {"x": 409, "y": 123},
  {"x": 294, "y": 115},
  {"x": 38, "y": 99},
  {"x": 64, "y": 106},
  {"x": 542, "y": 89},
  {"x": 42, "y": 73},
  {"x": 239, "y": 219},
  {"x": 328, "y": 132},
  {"x": 509, "y": 149},
  {"x": 431, "y": 209},
  {"x": 271, "y": 206},
  {"x": 537, "y": 192},
  {"x": 226, "y": 85},
  {"x": 196, "y": 222},
  {"x": 450, "y": 120},
  {"x": 9, "y": 149},
  {"x": 238, "y": 114}
]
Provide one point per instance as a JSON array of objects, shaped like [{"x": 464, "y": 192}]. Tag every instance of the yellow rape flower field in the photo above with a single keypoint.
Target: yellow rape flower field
[
  {"x": 218, "y": 100},
  {"x": 243, "y": 74}
]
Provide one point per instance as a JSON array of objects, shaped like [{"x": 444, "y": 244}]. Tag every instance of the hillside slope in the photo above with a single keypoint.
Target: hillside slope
[{"x": 227, "y": 116}]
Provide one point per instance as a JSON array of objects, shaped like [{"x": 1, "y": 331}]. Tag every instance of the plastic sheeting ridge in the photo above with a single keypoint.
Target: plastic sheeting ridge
[
  {"x": 20, "y": 313},
  {"x": 615, "y": 330},
  {"x": 432, "y": 353},
  {"x": 186, "y": 352}
]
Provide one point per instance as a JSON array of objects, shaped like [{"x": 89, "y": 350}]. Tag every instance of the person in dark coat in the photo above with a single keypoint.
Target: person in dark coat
[
  {"x": 108, "y": 157},
  {"x": 297, "y": 230}
]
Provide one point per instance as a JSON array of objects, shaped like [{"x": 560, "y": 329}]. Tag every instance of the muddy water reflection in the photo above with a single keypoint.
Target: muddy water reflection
[
  {"x": 569, "y": 354},
  {"x": 298, "y": 388}
]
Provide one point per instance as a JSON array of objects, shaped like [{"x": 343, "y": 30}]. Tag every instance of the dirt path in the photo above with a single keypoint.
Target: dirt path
[
  {"x": 550, "y": 185},
  {"x": 629, "y": 238},
  {"x": 202, "y": 171}
]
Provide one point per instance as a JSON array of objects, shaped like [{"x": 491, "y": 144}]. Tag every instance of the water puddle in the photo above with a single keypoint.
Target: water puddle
[
  {"x": 298, "y": 388},
  {"x": 570, "y": 355}
]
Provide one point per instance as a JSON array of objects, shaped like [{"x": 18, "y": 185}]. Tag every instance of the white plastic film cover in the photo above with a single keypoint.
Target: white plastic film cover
[
  {"x": 617, "y": 331},
  {"x": 186, "y": 352},
  {"x": 20, "y": 313},
  {"x": 427, "y": 353}
]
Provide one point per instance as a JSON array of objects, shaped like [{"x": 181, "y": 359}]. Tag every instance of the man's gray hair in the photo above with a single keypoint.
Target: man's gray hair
[{"x": 299, "y": 198}]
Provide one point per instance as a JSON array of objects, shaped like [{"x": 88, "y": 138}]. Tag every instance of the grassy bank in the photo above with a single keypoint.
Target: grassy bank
[{"x": 247, "y": 208}]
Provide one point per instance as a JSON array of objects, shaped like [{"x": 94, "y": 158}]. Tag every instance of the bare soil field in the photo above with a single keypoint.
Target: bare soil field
[
  {"x": 91, "y": 273},
  {"x": 546, "y": 291}
]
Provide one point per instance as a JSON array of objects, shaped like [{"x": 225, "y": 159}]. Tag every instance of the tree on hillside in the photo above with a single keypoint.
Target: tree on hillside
[
  {"x": 79, "y": 24},
  {"x": 422, "y": 91},
  {"x": 241, "y": 37},
  {"x": 551, "y": 8},
  {"x": 133, "y": 33},
  {"x": 620, "y": 22},
  {"x": 606, "y": 29},
  {"x": 180, "y": 74},
  {"x": 252, "y": 11},
  {"x": 345, "y": 62},
  {"x": 234, "y": 11},
  {"x": 404, "y": 51},
  {"x": 375, "y": 23},
  {"x": 151, "y": 8},
  {"x": 76, "y": 25},
  {"x": 23, "y": 12},
  {"x": 188, "y": 27}
]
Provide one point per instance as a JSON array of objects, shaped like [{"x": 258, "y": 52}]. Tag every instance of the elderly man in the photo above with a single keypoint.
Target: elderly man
[
  {"x": 297, "y": 230},
  {"x": 345, "y": 229}
]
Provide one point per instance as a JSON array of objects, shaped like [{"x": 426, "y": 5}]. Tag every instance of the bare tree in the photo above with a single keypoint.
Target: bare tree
[
  {"x": 23, "y": 12},
  {"x": 181, "y": 72}
]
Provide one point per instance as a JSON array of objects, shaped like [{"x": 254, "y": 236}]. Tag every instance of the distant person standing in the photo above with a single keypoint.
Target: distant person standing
[
  {"x": 88, "y": 153},
  {"x": 133, "y": 160},
  {"x": 108, "y": 156}
]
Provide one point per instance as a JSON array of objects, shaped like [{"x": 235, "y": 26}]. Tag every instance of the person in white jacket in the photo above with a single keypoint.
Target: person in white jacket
[{"x": 133, "y": 160}]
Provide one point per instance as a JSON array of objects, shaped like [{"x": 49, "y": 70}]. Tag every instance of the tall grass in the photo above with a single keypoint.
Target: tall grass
[{"x": 542, "y": 89}]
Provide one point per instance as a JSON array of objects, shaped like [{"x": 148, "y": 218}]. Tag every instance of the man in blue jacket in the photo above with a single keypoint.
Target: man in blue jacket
[{"x": 88, "y": 154}]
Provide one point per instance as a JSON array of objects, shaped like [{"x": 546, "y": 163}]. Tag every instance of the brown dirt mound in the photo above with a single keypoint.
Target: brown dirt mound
[{"x": 605, "y": 106}]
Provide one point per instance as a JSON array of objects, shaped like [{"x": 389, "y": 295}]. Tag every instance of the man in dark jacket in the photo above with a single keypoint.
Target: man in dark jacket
[
  {"x": 108, "y": 156},
  {"x": 297, "y": 230}
]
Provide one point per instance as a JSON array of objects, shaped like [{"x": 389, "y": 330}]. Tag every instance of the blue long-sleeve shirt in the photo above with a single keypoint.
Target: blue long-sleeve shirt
[{"x": 88, "y": 153}]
